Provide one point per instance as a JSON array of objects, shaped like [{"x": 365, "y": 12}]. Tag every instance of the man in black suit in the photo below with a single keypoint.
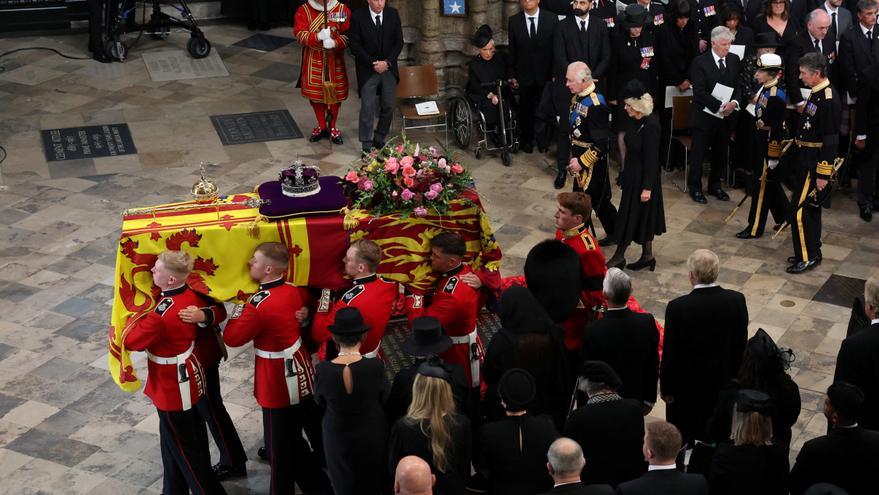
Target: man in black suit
[
  {"x": 531, "y": 35},
  {"x": 625, "y": 340},
  {"x": 859, "y": 46},
  {"x": 565, "y": 462},
  {"x": 846, "y": 456},
  {"x": 859, "y": 355},
  {"x": 609, "y": 428},
  {"x": 662, "y": 443},
  {"x": 580, "y": 37},
  {"x": 716, "y": 66},
  {"x": 705, "y": 336},
  {"x": 376, "y": 40},
  {"x": 811, "y": 39}
]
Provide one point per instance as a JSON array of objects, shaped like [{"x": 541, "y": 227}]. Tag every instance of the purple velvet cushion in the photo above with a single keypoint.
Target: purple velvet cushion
[{"x": 330, "y": 199}]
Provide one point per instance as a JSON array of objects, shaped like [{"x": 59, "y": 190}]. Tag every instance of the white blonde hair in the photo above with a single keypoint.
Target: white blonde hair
[{"x": 642, "y": 105}]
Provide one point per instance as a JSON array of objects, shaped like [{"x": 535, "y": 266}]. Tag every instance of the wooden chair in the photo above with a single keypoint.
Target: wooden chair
[
  {"x": 418, "y": 82},
  {"x": 680, "y": 115}
]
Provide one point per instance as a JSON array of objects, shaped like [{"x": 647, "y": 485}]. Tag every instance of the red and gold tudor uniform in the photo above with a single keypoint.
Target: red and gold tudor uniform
[
  {"x": 592, "y": 271},
  {"x": 455, "y": 304},
  {"x": 307, "y": 23},
  {"x": 175, "y": 383},
  {"x": 374, "y": 296},
  {"x": 283, "y": 378}
]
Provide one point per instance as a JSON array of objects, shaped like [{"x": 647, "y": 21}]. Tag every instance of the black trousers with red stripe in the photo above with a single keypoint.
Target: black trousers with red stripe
[
  {"x": 185, "y": 457},
  {"x": 292, "y": 459},
  {"x": 213, "y": 411}
]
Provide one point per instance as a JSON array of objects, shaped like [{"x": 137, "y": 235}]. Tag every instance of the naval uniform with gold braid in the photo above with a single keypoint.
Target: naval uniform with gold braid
[
  {"x": 590, "y": 131},
  {"x": 767, "y": 193},
  {"x": 816, "y": 140},
  {"x": 175, "y": 384},
  {"x": 283, "y": 382}
]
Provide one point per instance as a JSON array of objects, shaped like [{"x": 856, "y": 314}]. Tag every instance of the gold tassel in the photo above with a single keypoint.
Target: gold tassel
[
  {"x": 253, "y": 227},
  {"x": 350, "y": 221}
]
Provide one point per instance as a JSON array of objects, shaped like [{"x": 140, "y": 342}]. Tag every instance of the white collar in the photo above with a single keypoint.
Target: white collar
[
  {"x": 874, "y": 321},
  {"x": 705, "y": 286},
  {"x": 319, "y": 6},
  {"x": 830, "y": 9},
  {"x": 535, "y": 16},
  {"x": 375, "y": 14},
  {"x": 617, "y": 309},
  {"x": 718, "y": 57},
  {"x": 656, "y": 467},
  {"x": 864, "y": 29},
  {"x": 566, "y": 483},
  {"x": 585, "y": 19},
  {"x": 814, "y": 39}
]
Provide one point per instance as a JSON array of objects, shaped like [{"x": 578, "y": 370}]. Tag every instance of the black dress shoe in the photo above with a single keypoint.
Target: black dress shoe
[
  {"x": 336, "y": 136},
  {"x": 560, "y": 177},
  {"x": 649, "y": 264},
  {"x": 803, "y": 266},
  {"x": 262, "y": 453},
  {"x": 866, "y": 213},
  {"x": 720, "y": 194},
  {"x": 746, "y": 234},
  {"x": 317, "y": 134},
  {"x": 100, "y": 57},
  {"x": 698, "y": 197},
  {"x": 227, "y": 472},
  {"x": 817, "y": 259},
  {"x": 528, "y": 148}
]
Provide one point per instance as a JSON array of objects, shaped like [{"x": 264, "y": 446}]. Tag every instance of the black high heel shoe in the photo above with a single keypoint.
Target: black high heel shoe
[
  {"x": 651, "y": 263},
  {"x": 621, "y": 264}
]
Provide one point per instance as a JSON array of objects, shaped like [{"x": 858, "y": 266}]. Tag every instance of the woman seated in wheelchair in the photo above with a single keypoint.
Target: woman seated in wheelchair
[{"x": 485, "y": 70}]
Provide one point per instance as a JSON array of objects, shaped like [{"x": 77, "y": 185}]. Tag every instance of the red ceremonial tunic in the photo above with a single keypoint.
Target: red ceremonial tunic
[
  {"x": 162, "y": 333},
  {"x": 307, "y": 22},
  {"x": 592, "y": 271},
  {"x": 269, "y": 320},
  {"x": 374, "y": 297},
  {"x": 455, "y": 305},
  {"x": 207, "y": 347}
]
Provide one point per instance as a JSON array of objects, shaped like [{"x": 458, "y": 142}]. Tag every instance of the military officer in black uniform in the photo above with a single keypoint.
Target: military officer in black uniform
[
  {"x": 769, "y": 106},
  {"x": 590, "y": 133},
  {"x": 817, "y": 139}
]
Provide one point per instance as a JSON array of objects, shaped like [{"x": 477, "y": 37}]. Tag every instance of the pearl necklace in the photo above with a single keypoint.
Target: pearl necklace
[{"x": 352, "y": 353}]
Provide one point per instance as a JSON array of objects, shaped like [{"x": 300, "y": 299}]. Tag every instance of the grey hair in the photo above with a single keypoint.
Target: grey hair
[
  {"x": 721, "y": 32},
  {"x": 591, "y": 388},
  {"x": 866, "y": 5},
  {"x": 565, "y": 456},
  {"x": 617, "y": 286},
  {"x": 816, "y": 13},
  {"x": 814, "y": 62},
  {"x": 581, "y": 71}
]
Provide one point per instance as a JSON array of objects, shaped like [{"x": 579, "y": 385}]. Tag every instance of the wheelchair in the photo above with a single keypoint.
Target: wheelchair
[
  {"x": 121, "y": 21},
  {"x": 466, "y": 119}
]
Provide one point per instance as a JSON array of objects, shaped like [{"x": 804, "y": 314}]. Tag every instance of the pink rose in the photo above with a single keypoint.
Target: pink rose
[
  {"x": 420, "y": 211},
  {"x": 366, "y": 185},
  {"x": 399, "y": 148},
  {"x": 457, "y": 168},
  {"x": 392, "y": 166},
  {"x": 408, "y": 181},
  {"x": 441, "y": 163},
  {"x": 407, "y": 195},
  {"x": 436, "y": 187},
  {"x": 433, "y": 151},
  {"x": 407, "y": 161},
  {"x": 408, "y": 170},
  {"x": 352, "y": 177},
  {"x": 394, "y": 194},
  {"x": 431, "y": 194}
]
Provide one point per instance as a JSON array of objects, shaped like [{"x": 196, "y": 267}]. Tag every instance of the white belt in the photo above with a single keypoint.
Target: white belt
[
  {"x": 470, "y": 340},
  {"x": 182, "y": 377},
  {"x": 291, "y": 368}
]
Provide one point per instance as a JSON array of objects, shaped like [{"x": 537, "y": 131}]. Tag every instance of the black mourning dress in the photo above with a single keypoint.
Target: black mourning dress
[{"x": 639, "y": 222}]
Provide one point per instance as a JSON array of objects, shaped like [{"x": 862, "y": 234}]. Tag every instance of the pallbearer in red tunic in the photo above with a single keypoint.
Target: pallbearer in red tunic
[
  {"x": 284, "y": 376},
  {"x": 454, "y": 304},
  {"x": 371, "y": 294},
  {"x": 323, "y": 78},
  {"x": 574, "y": 210},
  {"x": 175, "y": 382}
]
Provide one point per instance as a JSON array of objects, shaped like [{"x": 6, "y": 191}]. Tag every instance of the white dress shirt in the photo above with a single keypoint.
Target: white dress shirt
[{"x": 528, "y": 18}]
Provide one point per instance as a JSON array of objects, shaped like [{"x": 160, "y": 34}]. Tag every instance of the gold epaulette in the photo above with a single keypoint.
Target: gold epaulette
[
  {"x": 595, "y": 101},
  {"x": 809, "y": 144},
  {"x": 774, "y": 149},
  {"x": 773, "y": 91},
  {"x": 828, "y": 93},
  {"x": 590, "y": 157},
  {"x": 587, "y": 240},
  {"x": 824, "y": 168}
]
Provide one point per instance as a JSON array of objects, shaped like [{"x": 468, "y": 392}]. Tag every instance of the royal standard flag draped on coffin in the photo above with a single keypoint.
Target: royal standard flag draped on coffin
[{"x": 221, "y": 239}]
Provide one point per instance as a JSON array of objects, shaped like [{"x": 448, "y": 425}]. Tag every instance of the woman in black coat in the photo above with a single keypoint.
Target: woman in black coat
[
  {"x": 641, "y": 214},
  {"x": 634, "y": 58},
  {"x": 528, "y": 339},
  {"x": 483, "y": 73}
]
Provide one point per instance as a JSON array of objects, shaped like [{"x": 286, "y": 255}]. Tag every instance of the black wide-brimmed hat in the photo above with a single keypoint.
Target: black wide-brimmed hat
[
  {"x": 634, "y": 16},
  {"x": 348, "y": 321},
  {"x": 427, "y": 338},
  {"x": 482, "y": 36},
  {"x": 517, "y": 389},
  {"x": 766, "y": 40}
]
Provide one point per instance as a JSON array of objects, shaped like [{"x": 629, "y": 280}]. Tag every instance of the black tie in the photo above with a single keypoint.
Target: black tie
[
  {"x": 532, "y": 31},
  {"x": 818, "y": 45},
  {"x": 582, "y": 26},
  {"x": 378, "y": 28},
  {"x": 722, "y": 67},
  {"x": 378, "y": 22},
  {"x": 870, "y": 40},
  {"x": 833, "y": 25}
]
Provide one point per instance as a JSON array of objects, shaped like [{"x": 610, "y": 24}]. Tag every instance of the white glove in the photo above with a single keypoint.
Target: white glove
[
  {"x": 772, "y": 164},
  {"x": 329, "y": 44},
  {"x": 324, "y": 34}
]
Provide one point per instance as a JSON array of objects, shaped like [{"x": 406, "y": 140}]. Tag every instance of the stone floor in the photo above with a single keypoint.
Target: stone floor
[{"x": 66, "y": 428}]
